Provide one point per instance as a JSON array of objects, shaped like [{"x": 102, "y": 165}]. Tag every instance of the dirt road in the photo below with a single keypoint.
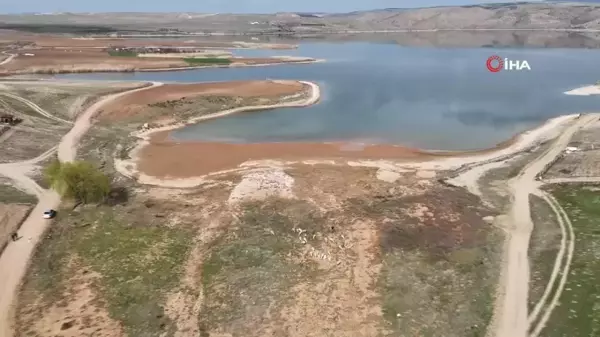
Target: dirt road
[
  {"x": 8, "y": 59},
  {"x": 513, "y": 320},
  {"x": 36, "y": 107},
  {"x": 15, "y": 258}
]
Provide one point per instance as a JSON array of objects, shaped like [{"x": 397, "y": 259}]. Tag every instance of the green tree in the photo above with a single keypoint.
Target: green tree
[{"x": 78, "y": 180}]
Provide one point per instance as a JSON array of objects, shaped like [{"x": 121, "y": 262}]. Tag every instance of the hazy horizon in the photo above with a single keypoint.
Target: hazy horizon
[{"x": 218, "y": 6}]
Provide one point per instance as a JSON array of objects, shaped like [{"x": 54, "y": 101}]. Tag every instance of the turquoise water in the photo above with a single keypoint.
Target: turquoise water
[{"x": 436, "y": 98}]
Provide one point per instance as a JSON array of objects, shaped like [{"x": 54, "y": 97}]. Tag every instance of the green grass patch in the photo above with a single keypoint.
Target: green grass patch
[
  {"x": 543, "y": 247},
  {"x": 421, "y": 297},
  {"x": 250, "y": 269},
  {"x": 138, "y": 264},
  {"x": 432, "y": 265},
  {"x": 578, "y": 314},
  {"x": 206, "y": 60},
  {"x": 10, "y": 195},
  {"x": 122, "y": 53}
]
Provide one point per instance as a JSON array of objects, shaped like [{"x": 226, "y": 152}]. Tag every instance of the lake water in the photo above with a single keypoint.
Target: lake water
[{"x": 435, "y": 98}]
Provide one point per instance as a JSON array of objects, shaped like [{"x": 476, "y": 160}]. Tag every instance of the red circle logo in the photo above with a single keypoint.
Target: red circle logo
[{"x": 498, "y": 66}]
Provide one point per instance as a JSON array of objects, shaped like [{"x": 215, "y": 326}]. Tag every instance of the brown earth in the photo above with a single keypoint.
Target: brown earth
[
  {"x": 11, "y": 216},
  {"x": 133, "y": 104},
  {"x": 338, "y": 257},
  {"x": 54, "y": 41},
  {"x": 162, "y": 157},
  {"x": 80, "y": 312},
  {"x": 73, "y": 60},
  {"x": 165, "y": 158},
  {"x": 57, "y": 61}
]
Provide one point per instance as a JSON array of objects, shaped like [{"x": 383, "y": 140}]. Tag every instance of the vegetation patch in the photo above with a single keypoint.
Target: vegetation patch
[
  {"x": 79, "y": 180},
  {"x": 438, "y": 255},
  {"x": 138, "y": 264},
  {"x": 10, "y": 195},
  {"x": 543, "y": 248},
  {"x": 186, "y": 108},
  {"x": 250, "y": 270},
  {"x": 207, "y": 61},
  {"x": 578, "y": 314}
]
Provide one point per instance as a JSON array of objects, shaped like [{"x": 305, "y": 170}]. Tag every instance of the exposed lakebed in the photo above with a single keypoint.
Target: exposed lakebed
[{"x": 433, "y": 98}]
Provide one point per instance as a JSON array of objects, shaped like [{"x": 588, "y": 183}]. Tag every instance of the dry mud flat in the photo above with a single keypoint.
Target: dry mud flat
[{"x": 307, "y": 255}]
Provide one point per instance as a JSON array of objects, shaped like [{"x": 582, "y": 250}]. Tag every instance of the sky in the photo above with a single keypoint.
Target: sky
[{"x": 218, "y": 6}]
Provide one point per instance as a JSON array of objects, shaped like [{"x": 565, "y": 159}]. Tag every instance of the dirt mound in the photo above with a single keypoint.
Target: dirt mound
[{"x": 262, "y": 184}]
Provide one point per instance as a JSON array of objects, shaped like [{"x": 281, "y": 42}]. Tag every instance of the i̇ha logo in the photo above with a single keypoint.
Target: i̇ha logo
[{"x": 495, "y": 63}]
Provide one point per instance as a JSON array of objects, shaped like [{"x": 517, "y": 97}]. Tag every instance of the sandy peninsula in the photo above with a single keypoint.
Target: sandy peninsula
[{"x": 585, "y": 91}]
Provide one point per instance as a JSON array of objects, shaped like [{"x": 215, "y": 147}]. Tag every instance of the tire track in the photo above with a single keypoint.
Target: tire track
[
  {"x": 14, "y": 260},
  {"x": 533, "y": 316},
  {"x": 565, "y": 274},
  {"x": 36, "y": 107}
]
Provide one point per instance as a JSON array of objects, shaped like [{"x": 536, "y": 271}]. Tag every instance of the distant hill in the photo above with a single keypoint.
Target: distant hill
[
  {"x": 582, "y": 1},
  {"x": 545, "y": 15}
]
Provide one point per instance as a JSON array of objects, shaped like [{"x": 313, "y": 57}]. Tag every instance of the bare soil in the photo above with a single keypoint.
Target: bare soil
[
  {"x": 66, "y": 99},
  {"x": 57, "y": 41},
  {"x": 11, "y": 216},
  {"x": 545, "y": 244},
  {"x": 174, "y": 95},
  {"x": 331, "y": 258},
  {"x": 38, "y": 133},
  {"x": 51, "y": 61},
  {"x": 583, "y": 163},
  {"x": 75, "y": 60},
  {"x": 164, "y": 157}
]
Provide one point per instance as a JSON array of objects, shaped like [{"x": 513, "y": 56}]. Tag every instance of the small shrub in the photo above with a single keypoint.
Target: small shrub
[{"x": 78, "y": 180}]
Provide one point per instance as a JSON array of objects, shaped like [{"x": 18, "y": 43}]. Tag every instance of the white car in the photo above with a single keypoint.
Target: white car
[{"x": 49, "y": 214}]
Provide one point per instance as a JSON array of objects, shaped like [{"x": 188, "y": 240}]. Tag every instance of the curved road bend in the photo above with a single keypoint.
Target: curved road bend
[
  {"x": 8, "y": 59},
  {"x": 512, "y": 320},
  {"x": 15, "y": 258}
]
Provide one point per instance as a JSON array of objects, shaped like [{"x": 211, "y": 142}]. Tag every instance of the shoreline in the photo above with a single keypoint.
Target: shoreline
[
  {"x": 232, "y": 65},
  {"x": 589, "y": 90},
  {"x": 394, "y": 157},
  {"x": 145, "y": 136}
]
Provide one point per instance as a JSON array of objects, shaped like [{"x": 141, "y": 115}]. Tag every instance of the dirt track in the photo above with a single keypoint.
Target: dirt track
[
  {"x": 8, "y": 59},
  {"x": 513, "y": 320},
  {"x": 15, "y": 258}
]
